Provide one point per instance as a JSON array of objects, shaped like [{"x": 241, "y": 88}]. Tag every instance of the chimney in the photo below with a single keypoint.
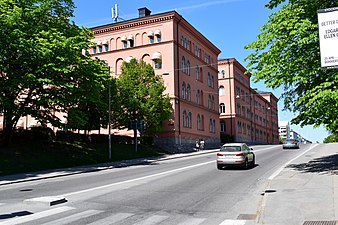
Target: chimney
[{"x": 143, "y": 12}]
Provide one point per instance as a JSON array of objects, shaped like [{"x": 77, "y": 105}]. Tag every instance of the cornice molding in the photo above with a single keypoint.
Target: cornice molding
[{"x": 131, "y": 24}]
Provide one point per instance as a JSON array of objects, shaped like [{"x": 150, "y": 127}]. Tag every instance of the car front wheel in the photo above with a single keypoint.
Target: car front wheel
[{"x": 246, "y": 164}]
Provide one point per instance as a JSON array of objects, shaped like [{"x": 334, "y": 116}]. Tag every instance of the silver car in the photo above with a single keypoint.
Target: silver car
[
  {"x": 290, "y": 143},
  {"x": 235, "y": 154}
]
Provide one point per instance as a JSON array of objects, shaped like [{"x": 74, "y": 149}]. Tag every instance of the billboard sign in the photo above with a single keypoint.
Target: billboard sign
[{"x": 328, "y": 37}]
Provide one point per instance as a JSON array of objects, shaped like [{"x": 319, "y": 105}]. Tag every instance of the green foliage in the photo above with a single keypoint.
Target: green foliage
[
  {"x": 43, "y": 68},
  {"x": 286, "y": 54},
  {"x": 281, "y": 140},
  {"x": 331, "y": 138},
  {"x": 140, "y": 96}
]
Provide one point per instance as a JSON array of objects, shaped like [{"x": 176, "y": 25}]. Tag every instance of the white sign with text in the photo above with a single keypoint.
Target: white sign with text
[{"x": 328, "y": 37}]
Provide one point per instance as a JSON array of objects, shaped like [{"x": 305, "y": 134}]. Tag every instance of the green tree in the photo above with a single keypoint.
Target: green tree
[
  {"x": 43, "y": 67},
  {"x": 140, "y": 97},
  {"x": 331, "y": 138},
  {"x": 286, "y": 54}
]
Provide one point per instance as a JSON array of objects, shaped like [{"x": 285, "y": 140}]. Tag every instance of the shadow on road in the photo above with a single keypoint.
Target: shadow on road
[{"x": 327, "y": 164}]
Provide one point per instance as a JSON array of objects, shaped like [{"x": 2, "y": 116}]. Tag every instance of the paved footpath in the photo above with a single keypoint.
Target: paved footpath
[{"x": 305, "y": 192}]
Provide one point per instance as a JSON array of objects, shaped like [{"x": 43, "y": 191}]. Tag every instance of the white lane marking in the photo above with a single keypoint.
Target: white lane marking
[
  {"x": 137, "y": 179},
  {"x": 74, "y": 217},
  {"x": 193, "y": 221},
  {"x": 264, "y": 149},
  {"x": 233, "y": 222},
  {"x": 287, "y": 163},
  {"x": 156, "y": 219},
  {"x": 112, "y": 219},
  {"x": 35, "y": 216}
]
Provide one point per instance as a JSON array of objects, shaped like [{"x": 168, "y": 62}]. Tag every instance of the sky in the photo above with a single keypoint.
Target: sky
[{"x": 228, "y": 24}]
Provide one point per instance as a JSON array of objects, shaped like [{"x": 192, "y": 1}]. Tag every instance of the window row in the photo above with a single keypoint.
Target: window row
[
  {"x": 187, "y": 44},
  {"x": 186, "y": 94},
  {"x": 187, "y": 122},
  {"x": 185, "y": 68},
  {"x": 128, "y": 41}
]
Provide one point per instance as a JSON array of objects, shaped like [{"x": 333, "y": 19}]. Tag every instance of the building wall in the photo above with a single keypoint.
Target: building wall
[
  {"x": 246, "y": 114},
  {"x": 182, "y": 49}
]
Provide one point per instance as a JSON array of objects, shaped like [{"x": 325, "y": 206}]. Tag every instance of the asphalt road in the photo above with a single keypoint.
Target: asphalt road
[{"x": 178, "y": 191}]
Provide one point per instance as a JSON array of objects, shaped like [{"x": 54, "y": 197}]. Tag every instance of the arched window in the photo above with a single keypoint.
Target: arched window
[
  {"x": 184, "y": 118},
  {"x": 198, "y": 96},
  {"x": 199, "y": 122},
  {"x": 222, "y": 108},
  {"x": 183, "y": 64},
  {"x": 188, "y": 92},
  {"x": 189, "y": 119},
  {"x": 209, "y": 102},
  {"x": 223, "y": 74},
  {"x": 197, "y": 73},
  {"x": 212, "y": 81},
  {"x": 221, "y": 90},
  {"x": 188, "y": 67},
  {"x": 213, "y": 102},
  {"x": 183, "y": 90}
]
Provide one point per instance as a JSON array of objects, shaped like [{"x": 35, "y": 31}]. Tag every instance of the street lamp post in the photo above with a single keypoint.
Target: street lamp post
[{"x": 109, "y": 116}]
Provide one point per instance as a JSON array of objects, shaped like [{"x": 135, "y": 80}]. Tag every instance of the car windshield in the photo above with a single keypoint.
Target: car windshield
[
  {"x": 230, "y": 148},
  {"x": 290, "y": 140}
]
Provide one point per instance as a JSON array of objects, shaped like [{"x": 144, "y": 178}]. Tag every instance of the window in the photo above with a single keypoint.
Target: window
[
  {"x": 188, "y": 67},
  {"x": 157, "y": 64},
  {"x": 222, "y": 126},
  {"x": 212, "y": 81},
  {"x": 212, "y": 125},
  {"x": 157, "y": 33},
  {"x": 131, "y": 43},
  {"x": 189, "y": 119},
  {"x": 94, "y": 50},
  {"x": 223, "y": 74},
  {"x": 125, "y": 44},
  {"x": 198, "y": 96},
  {"x": 100, "y": 48},
  {"x": 212, "y": 102},
  {"x": 209, "y": 102},
  {"x": 221, "y": 91},
  {"x": 183, "y": 65},
  {"x": 184, "y": 118},
  {"x": 222, "y": 108},
  {"x": 197, "y": 73},
  {"x": 183, "y": 90},
  {"x": 199, "y": 122},
  {"x": 151, "y": 39},
  {"x": 188, "y": 92},
  {"x": 106, "y": 48}
]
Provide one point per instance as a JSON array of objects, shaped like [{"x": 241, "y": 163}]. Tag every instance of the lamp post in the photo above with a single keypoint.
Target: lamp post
[{"x": 109, "y": 116}]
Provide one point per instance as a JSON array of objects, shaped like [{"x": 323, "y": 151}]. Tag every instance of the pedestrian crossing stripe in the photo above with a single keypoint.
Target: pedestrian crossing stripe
[{"x": 35, "y": 216}]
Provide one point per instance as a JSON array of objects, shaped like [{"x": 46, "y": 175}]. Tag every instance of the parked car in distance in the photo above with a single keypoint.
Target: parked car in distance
[
  {"x": 291, "y": 143},
  {"x": 235, "y": 154}
]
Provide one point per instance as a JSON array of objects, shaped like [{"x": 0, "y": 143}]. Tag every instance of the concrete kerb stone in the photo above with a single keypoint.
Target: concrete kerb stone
[{"x": 40, "y": 175}]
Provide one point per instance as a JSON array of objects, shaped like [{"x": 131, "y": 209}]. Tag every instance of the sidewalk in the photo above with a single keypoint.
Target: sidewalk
[
  {"x": 39, "y": 175},
  {"x": 305, "y": 192}
]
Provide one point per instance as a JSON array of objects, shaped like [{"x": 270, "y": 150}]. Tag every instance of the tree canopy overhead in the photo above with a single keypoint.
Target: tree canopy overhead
[
  {"x": 286, "y": 54},
  {"x": 43, "y": 68}
]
